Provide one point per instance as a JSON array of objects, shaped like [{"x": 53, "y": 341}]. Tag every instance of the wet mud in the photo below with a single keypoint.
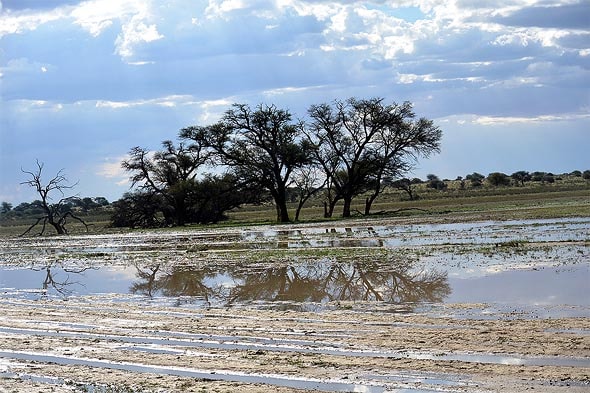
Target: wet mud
[{"x": 367, "y": 306}]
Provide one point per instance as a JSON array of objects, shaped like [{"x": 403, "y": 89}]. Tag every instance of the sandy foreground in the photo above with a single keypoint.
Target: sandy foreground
[{"x": 346, "y": 348}]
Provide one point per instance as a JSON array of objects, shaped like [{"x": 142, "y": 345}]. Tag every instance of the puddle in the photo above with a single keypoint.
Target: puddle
[
  {"x": 176, "y": 244},
  {"x": 311, "y": 267},
  {"x": 217, "y": 375},
  {"x": 500, "y": 270},
  {"x": 162, "y": 345},
  {"x": 323, "y": 284}
]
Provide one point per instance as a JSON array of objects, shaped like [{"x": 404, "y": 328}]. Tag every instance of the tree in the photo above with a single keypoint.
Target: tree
[
  {"x": 140, "y": 209},
  {"x": 169, "y": 173},
  {"x": 261, "y": 146},
  {"x": 401, "y": 140},
  {"x": 521, "y": 177},
  {"x": 360, "y": 143},
  {"x": 54, "y": 214},
  {"x": 586, "y": 174},
  {"x": 435, "y": 182},
  {"x": 407, "y": 186},
  {"x": 6, "y": 207},
  {"x": 549, "y": 178},
  {"x": 101, "y": 201},
  {"x": 308, "y": 181},
  {"x": 498, "y": 179},
  {"x": 538, "y": 176},
  {"x": 476, "y": 179},
  {"x": 87, "y": 204},
  {"x": 212, "y": 196}
]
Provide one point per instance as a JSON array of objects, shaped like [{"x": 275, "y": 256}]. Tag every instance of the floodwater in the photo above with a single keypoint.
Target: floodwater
[
  {"x": 295, "y": 285},
  {"x": 525, "y": 263},
  {"x": 534, "y": 268}
]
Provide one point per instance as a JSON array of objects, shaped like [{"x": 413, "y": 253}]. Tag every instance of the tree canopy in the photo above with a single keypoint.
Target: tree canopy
[
  {"x": 260, "y": 146},
  {"x": 361, "y": 142},
  {"x": 347, "y": 148}
]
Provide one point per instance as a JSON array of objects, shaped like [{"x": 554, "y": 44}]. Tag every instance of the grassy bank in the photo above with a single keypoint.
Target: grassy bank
[{"x": 569, "y": 197}]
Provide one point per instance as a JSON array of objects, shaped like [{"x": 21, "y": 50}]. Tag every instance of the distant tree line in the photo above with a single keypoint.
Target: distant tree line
[
  {"x": 144, "y": 209},
  {"x": 75, "y": 204},
  {"x": 477, "y": 180}
]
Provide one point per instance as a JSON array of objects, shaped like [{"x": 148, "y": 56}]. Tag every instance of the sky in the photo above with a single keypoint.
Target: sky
[{"x": 82, "y": 82}]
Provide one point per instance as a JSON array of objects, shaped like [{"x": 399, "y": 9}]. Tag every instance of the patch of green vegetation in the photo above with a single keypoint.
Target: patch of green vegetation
[
  {"x": 106, "y": 388},
  {"x": 512, "y": 243},
  {"x": 569, "y": 197}
]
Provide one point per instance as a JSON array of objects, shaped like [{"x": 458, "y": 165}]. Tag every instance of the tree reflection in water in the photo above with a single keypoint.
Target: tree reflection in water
[
  {"x": 176, "y": 281},
  {"x": 60, "y": 285},
  {"x": 392, "y": 280}
]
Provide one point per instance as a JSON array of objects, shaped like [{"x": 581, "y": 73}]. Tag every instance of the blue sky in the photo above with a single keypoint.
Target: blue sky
[{"x": 82, "y": 82}]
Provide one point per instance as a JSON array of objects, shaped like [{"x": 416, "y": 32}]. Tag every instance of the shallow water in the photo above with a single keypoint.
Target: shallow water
[
  {"x": 523, "y": 263},
  {"x": 322, "y": 282}
]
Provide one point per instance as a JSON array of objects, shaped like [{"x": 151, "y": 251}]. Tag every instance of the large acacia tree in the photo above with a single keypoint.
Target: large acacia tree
[
  {"x": 169, "y": 173},
  {"x": 361, "y": 142},
  {"x": 260, "y": 146}
]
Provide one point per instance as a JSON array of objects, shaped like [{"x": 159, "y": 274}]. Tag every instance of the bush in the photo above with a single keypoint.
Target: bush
[
  {"x": 138, "y": 210},
  {"x": 436, "y": 183},
  {"x": 498, "y": 179},
  {"x": 476, "y": 179}
]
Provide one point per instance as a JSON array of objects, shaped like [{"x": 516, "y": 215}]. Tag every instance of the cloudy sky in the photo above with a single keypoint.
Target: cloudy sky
[{"x": 82, "y": 82}]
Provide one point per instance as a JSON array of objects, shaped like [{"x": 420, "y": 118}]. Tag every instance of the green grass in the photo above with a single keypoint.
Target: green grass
[{"x": 569, "y": 197}]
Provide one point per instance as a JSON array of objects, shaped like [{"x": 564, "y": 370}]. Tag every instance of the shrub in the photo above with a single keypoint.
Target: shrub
[{"x": 498, "y": 179}]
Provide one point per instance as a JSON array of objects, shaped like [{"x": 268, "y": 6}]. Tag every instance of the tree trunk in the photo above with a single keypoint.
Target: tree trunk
[
  {"x": 282, "y": 211},
  {"x": 329, "y": 208},
  {"x": 368, "y": 203},
  {"x": 180, "y": 211},
  {"x": 58, "y": 228},
  {"x": 280, "y": 197},
  {"x": 346, "y": 208},
  {"x": 298, "y": 210}
]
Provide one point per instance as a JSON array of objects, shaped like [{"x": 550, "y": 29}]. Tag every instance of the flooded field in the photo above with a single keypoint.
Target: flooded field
[{"x": 366, "y": 306}]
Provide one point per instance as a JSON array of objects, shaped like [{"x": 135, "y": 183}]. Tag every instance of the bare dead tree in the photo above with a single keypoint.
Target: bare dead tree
[
  {"x": 54, "y": 214},
  {"x": 60, "y": 286}
]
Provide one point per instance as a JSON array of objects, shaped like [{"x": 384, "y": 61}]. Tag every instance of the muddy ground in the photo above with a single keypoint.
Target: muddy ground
[{"x": 121, "y": 342}]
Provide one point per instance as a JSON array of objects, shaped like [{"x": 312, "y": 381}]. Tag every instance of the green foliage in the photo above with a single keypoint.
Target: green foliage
[
  {"x": 476, "y": 179},
  {"x": 5, "y": 207},
  {"x": 521, "y": 177},
  {"x": 498, "y": 179},
  {"x": 586, "y": 175},
  {"x": 435, "y": 183},
  {"x": 139, "y": 209},
  {"x": 259, "y": 146},
  {"x": 206, "y": 201}
]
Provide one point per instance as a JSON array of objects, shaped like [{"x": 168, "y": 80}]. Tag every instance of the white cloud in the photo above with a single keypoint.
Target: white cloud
[
  {"x": 135, "y": 32},
  {"x": 20, "y": 22},
  {"x": 111, "y": 168},
  {"x": 407, "y": 78},
  {"x": 186, "y": 61},
  {"x": 212, "y": 110},
  {"x": 503, "y": 120},
  {"x": 217, "y": 8},
  {"x": 95, "y": 16},
  {"x": 166, "y": 101}
]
